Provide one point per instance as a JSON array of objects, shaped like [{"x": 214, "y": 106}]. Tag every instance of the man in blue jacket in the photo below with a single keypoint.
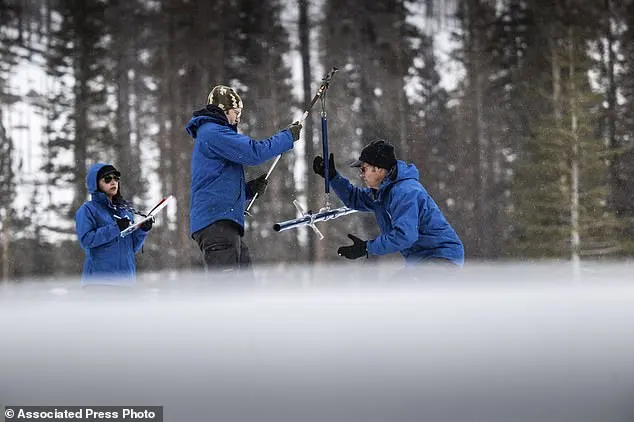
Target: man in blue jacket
[
  {"x": 218, "y": 189},
  {"x": 410, "y": 221},
  {"x": 110, "y": 258}
]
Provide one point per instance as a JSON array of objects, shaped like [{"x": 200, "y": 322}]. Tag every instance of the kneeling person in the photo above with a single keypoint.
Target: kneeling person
[{"x": 409, "y": 220}]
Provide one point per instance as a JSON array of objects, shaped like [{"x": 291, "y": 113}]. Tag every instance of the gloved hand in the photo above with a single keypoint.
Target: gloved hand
[
  {"x": 295, "y": 128},
  {"x": 356, "y": 250},
  {"x": 318, "y": 166},
  {"x": 122, "y": 222},
  {"x": 258, "y": 185},
  {"x": 147, "y": 225}
]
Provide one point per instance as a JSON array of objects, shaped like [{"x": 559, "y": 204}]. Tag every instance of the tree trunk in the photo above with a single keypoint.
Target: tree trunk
[
  {"x": 81, "y": 127},
  {"x": 401, "y": 70},
  {"x": 311, "y": 180},
  {"x": 475, "y": 75},
  {"x": 574, "y": 182},
  {"x": 6, "y": 262},
  {"x": 617, "y": 200},
  {"x": 128, "y": 163}
]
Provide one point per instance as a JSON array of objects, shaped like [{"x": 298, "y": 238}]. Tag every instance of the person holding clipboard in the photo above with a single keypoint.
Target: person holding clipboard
[{"x": 110, "y": 257}]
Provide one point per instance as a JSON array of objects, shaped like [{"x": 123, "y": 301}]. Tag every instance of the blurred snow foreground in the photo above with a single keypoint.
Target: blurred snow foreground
[{"x": 514, "y": 342}]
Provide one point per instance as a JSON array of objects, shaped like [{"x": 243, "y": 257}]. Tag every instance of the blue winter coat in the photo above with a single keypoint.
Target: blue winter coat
[
  {"x": 110, "y": 259},
  {"x": 218, "y": 189},
  {"x": 410, "y": 221}
]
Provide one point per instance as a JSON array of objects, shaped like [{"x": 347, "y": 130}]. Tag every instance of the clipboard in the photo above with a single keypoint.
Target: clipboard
[{"x": 157, "y": 208}]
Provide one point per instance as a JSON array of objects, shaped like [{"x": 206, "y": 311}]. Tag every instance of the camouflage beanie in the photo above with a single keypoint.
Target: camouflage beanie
[{"x": 224, "y": 97}]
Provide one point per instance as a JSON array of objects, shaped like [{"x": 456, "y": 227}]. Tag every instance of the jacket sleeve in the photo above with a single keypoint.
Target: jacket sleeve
[
  {"x": 352, "y": 196},
  {"x": 89, "y": 235},
  {"x": 403, "y": 211},
  {"x": 138, "y": 237},
  {"x": 241, "y": 149}
]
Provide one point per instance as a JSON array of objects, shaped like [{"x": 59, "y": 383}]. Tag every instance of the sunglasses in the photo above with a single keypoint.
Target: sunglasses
[{"x": 109, "y": 178}]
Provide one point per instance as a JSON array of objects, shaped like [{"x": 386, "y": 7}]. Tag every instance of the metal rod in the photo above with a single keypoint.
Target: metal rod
[
  {"x": 311, "y": 219},
  {"x": 324, "y": 143},
  {"x": 321, "y": 92},
  {"x": 265, "y": 178}
]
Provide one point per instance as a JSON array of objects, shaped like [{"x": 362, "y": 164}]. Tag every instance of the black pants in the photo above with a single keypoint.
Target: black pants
[{"x": 222, "y": 247}]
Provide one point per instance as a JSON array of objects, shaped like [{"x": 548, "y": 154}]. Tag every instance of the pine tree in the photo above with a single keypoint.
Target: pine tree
[
  {"x": 127, "y": 23},
  {"x": 314, "y": 247},
  {"x": 621, "y": 15},
  {"x": 12, "y": 220},
  {"x": 79, "y": 114},
  {"x": 485, "y": 118},
  {"x": 7, "y": 196},
  {"x": 562, "y": 208},
  {"x": 432, "y": 142}
]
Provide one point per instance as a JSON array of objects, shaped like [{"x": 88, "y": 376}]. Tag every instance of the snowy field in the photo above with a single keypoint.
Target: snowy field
[{"x": 493, "y": 343}]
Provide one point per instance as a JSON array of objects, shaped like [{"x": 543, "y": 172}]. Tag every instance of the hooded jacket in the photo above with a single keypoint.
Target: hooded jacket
[
  {"x": 410, "y": 221},
  {"x": 110, "y": 259},
  {"x": 218, "y": 189}
]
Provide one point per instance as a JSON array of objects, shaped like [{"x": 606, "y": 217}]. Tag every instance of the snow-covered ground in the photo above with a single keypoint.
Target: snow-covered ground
[{"x": 515, "y": 342}]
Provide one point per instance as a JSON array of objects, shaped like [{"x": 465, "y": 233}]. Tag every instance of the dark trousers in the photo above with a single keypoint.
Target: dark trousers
[{"x": 222, "y": 247}]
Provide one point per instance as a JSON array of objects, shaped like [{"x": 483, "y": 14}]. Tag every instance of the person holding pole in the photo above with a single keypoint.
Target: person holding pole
[
  {"x": 409, "y": 220},
  {"x": 219, "y": 191}
]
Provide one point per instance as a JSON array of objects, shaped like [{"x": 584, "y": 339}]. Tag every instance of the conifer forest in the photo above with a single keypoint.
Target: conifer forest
[{"x": 518, "y": 114}]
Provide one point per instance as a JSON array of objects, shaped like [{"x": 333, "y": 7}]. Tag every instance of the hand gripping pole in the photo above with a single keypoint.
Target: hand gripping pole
[{"x": 321, "y": 92}]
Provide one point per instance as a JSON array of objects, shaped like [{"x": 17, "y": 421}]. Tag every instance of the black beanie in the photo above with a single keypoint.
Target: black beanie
[
  {"x": 106, "y": 170},
  {"x": 377, "y": 153}
]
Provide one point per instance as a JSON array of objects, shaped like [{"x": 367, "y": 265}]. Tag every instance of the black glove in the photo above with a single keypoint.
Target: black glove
[
  {"x": 147, "y": 225},
  {"x": 258, "y": 185},
  {"x": 295, "y": 128},
  {"x": 357, "y": 250},
  {"x": 122, "y": 222},
  {"x": 318, "y": 166}
]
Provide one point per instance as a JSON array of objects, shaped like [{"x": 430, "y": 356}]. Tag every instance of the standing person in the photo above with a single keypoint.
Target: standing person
[
  {"x": 409, "y": 220},
  {"x": 218, "y": 189},
  {"x": 110, "y": 258}
]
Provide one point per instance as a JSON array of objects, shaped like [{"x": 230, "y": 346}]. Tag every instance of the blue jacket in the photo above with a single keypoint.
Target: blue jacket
[
  {"x": 218, "y": 190},
  {"x": 109, "y": 257},
  {"x": 410, "y": 221}
]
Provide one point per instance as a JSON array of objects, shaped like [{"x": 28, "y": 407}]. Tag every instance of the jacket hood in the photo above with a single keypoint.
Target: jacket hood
[
  {"x": 402, "y": 171},
  {"x": 91, "y": 177},
  {"x": 210, "y": 114}
]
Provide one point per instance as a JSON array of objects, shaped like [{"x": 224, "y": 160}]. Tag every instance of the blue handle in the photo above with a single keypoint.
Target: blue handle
[{"x": 324, "y": 142}]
